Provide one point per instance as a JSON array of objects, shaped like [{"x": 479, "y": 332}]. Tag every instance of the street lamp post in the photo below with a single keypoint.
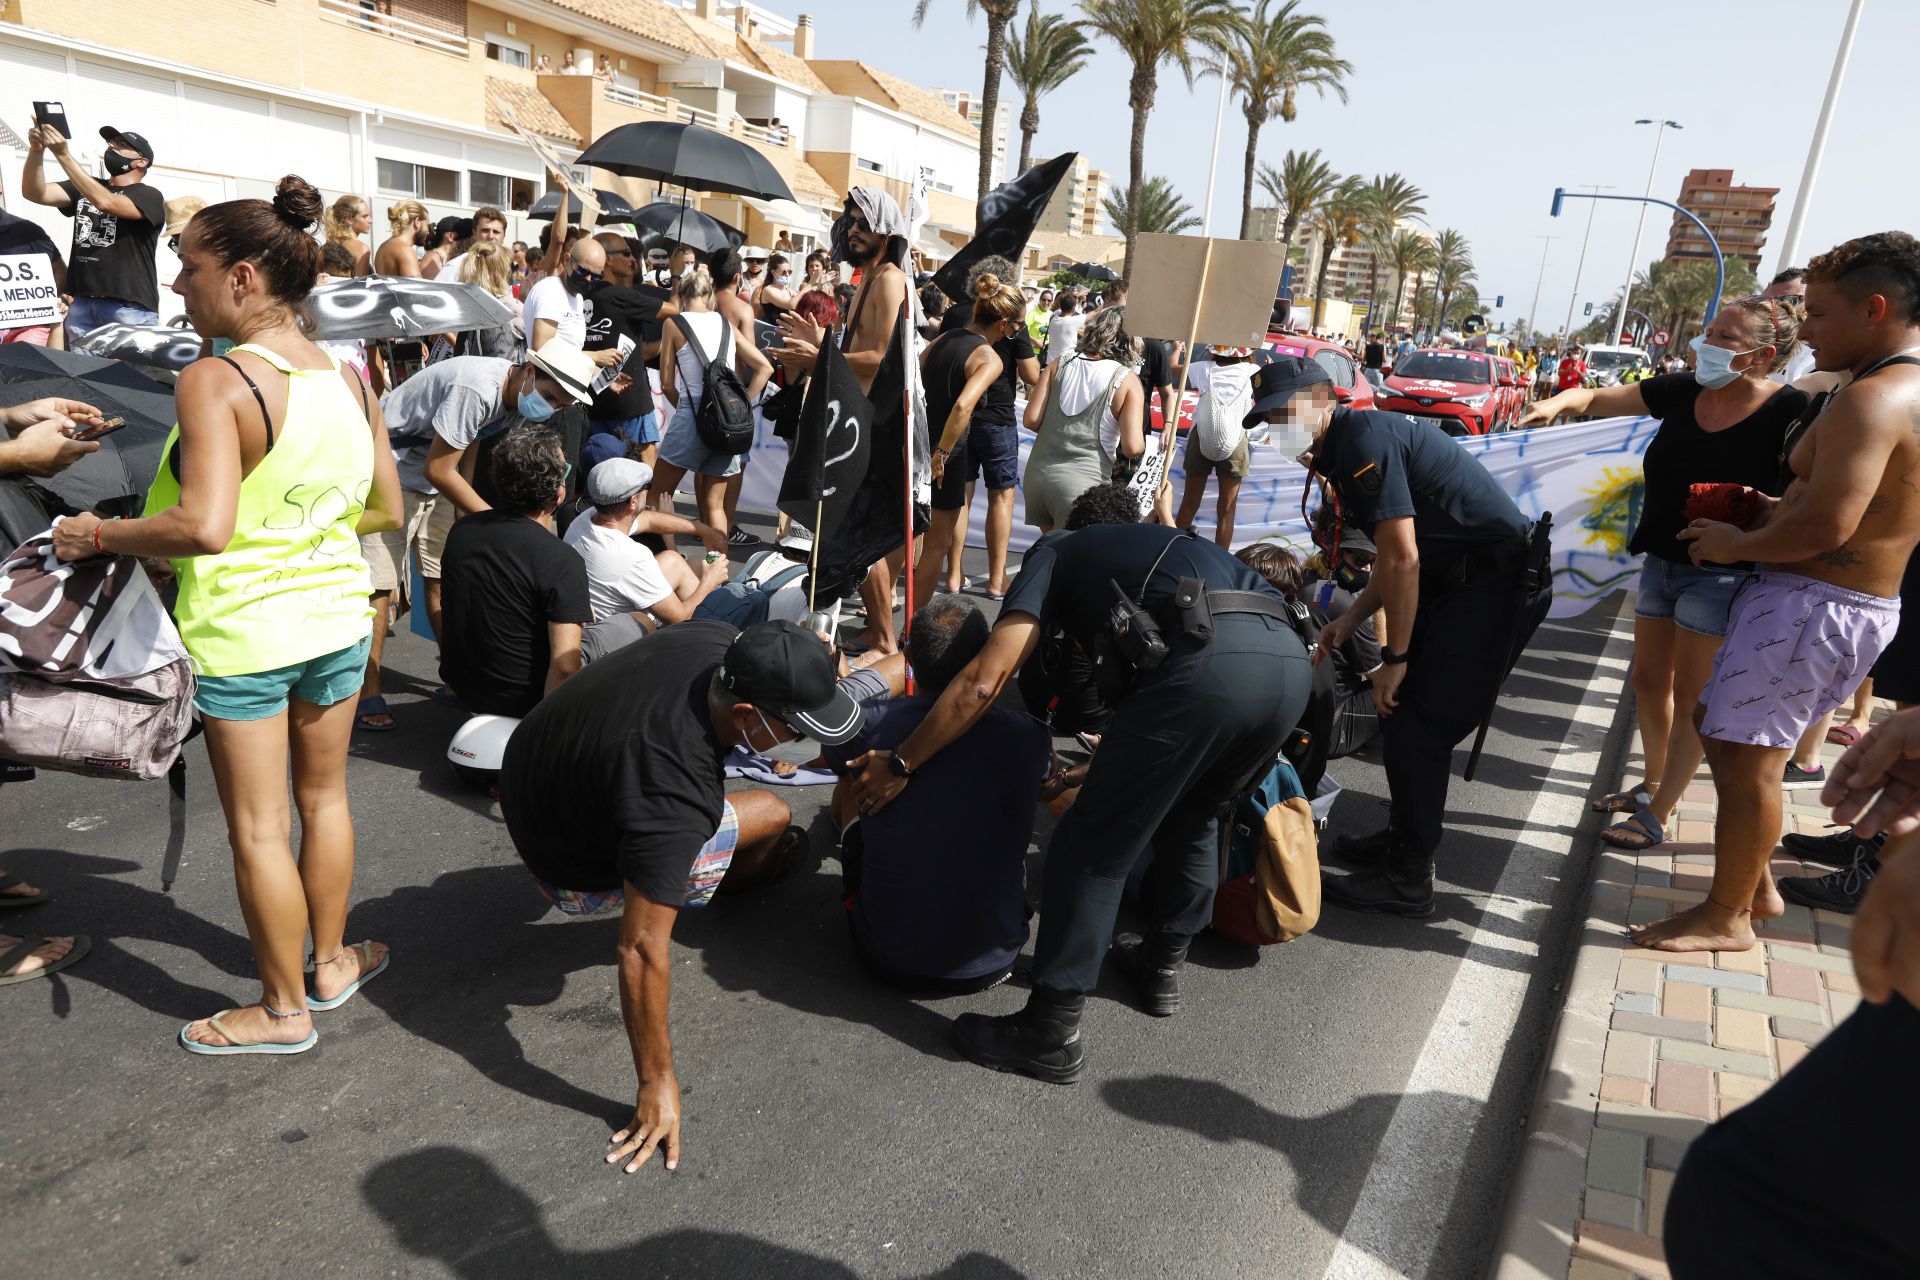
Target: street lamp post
[
  {"x": 1560, "y": 198},
  {"x": 1790, "y": 247},
  {"x": 1213, "y": 164},
  {"x": 1538, "y": 280},
  {"x": 1566, "y": 330},
  {"x": 1626, "y": 295}
]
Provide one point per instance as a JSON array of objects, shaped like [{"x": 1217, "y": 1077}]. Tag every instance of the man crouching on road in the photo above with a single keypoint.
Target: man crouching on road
[
  {"x": 614, "y": 794},
  {"x": 1805, "y": 633}
]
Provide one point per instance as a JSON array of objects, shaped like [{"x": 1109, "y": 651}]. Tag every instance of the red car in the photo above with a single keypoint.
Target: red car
[
  {"x": 1350, "y": 385},
  {"x": 1458, "y": 391}
]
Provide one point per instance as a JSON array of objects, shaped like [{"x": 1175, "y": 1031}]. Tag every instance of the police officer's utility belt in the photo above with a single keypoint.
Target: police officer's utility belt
[{"x": 1498, "y": 561}]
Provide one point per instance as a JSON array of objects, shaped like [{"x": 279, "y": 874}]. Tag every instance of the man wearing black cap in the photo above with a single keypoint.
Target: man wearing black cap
[
  {"x": 116, "y": 227},
  {"x": 1191, "y": 727},
  {"x": 614, "y": 794},
  {"x": 1452, "y": 552}
]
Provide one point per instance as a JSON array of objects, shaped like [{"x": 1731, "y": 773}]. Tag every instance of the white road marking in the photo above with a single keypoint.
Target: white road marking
[{"x": 1396, "y": 1221}]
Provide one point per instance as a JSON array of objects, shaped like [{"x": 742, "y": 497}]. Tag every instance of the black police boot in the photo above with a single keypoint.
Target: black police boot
[
  {"x": 1042, "y": 1040},
  {"x": 1402, "y": 885},
  {"x": 1153, "y": 966},
  {"x": 1362, "y": 851}
]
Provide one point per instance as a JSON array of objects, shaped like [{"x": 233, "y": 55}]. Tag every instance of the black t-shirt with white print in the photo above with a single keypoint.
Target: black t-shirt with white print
[{"x": 112, "y": 256}]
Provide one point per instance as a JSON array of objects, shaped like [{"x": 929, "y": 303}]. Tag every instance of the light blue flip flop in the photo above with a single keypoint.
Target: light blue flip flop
[
  {"x": 363, "y": 950},
  {"x": 238, "y": 1046}
]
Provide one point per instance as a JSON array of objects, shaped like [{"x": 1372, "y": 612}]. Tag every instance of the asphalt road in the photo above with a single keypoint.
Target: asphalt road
[{"x": 1348, "y": 1104}]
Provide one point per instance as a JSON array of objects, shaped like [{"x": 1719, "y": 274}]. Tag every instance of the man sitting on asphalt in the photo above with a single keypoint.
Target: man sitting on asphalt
[
  {"x": 515, "y": 596},
  {"x": 614, "y": 794},
  {"x": 939, "y": 905},
  {"x": 623, "y": 576}
]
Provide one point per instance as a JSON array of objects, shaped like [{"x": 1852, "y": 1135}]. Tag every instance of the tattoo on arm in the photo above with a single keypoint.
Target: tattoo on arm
[
  {"x": 1839, "y": 558},
  {"x": 1878, "y": 503}
]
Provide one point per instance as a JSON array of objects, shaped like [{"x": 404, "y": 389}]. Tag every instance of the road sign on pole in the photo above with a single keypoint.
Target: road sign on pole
[{"x": 1661, "y": 337}]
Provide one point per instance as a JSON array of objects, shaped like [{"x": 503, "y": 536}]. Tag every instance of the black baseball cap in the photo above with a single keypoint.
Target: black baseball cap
[
  {"x": 784, "y": 669},
  {"x": 131, "y": 141},
  {"x": 1279, "y": 380},
  {"x": 462, "y": 228}
]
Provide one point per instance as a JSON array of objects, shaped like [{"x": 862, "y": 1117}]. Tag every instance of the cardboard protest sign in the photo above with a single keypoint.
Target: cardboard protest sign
[
  {"x": 1213, "y": 291},
  {"x": 27, "y": 292},
  {"x": 548, "y": 155}
]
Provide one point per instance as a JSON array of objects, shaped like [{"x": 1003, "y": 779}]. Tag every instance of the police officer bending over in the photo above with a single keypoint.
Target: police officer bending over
[
  {"x": 1462, "y": 575},
  {"x": 1198, "y": 711}
]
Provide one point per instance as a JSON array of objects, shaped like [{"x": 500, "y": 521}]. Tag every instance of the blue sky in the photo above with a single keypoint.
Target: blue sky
[{"x": 1488, "y": 106}]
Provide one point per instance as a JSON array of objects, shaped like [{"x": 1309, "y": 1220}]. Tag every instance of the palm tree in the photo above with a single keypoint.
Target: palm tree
[
  {"x": 1040, "y": 62},
  {"x": 1390, "y": 200},
  {"x": 1162, "y": 211},
  {"x": 1412, "y": 255},
  {"x": 1276, "y": 53},
  {"x": 1151, "y": 32},
  {"x": 1452, "y": 267},
  {"x": 1298, "y": 186},
  {"x": 999, "y": 14},
  {"x": 1342, "y": 218}
]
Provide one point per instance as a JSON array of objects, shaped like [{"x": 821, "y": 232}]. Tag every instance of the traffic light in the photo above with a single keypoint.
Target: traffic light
[
  {"x": 1589, "y": 310},
  {"x": 1499, "y": 301}
]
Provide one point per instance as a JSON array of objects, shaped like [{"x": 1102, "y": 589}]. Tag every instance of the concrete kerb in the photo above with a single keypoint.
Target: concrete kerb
[{"x": 1545, "y": 1196}]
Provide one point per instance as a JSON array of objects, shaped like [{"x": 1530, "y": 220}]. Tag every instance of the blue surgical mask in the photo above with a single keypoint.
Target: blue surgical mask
[
  {"x": 1713, "y": 366},
  {"x": 534, "y": 406}
]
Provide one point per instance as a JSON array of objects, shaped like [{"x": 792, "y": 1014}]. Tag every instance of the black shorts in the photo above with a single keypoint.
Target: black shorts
[
  {"x": 951, "y": 493},
  {"x": 1896, "y": 674}
]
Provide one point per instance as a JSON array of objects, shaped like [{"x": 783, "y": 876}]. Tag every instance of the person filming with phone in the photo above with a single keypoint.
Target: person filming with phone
[{"x": 116, "y": 222}]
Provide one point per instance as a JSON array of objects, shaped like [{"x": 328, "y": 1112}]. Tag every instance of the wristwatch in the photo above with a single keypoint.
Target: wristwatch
[
  {"x": 1388, "y": 658},
  {"x": 898, "y": 766}
]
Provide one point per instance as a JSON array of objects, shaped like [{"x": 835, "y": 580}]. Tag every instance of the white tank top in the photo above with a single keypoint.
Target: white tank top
[
  {"x": 710, "y": 327},
  {"x": 1079, "y": 382}
]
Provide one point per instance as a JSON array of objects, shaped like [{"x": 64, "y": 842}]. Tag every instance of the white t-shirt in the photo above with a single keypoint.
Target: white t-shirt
[
  {"x": 622, "y": 575},
  {"x": 1063, "y": 335},
  {"x": 549, "y": 300},
  {"x": 450, "y": 271}
]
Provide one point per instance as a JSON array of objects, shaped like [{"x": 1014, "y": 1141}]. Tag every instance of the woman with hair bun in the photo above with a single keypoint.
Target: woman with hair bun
[
  {"x": 278, "y": 462},
  {"x": 958, "y": 368}
]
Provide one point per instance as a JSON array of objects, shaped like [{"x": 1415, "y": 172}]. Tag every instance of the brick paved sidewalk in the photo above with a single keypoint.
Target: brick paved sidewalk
[{"x": 1651, "y": 1047}]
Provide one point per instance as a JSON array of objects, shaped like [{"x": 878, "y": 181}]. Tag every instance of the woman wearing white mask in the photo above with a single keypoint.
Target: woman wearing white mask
[
  {"x": 1725, "y": 423},
  {"x": 776, "y": 293}
]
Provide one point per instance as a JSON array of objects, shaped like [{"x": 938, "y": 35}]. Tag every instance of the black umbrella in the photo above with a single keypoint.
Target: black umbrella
[
  {"x": 376, "y": 307},
  {"x": 688, "y": 155},
  {"x": 613, "y": 208},
  {"x": 23, "y": 362},
  {"x": 124, "y": 466},
  {"x": 157, "y": 345},
  {"x": 1094, "y": 271},
  {"x": 665, "y": 225}
]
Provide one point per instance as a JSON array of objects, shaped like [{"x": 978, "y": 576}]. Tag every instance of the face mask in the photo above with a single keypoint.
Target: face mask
[
  {"x": 118, "y": 164},
  {"x": 1713, "y": 366},
  {"x": 534, "y": 406},
  {"x": 1349, "y": 578},
  {"x": 686, "y": 271},
  {"x": 579, "y": 280},
  {"x": 802, "y": 750},
  {"x": 781, "y": 277}
]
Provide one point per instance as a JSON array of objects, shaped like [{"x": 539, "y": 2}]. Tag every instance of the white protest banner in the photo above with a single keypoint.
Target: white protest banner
[
  {"x": 548, "y": 155},
  {"x": 1588, "y": 475},
  {"x": 27, "y": 292}
]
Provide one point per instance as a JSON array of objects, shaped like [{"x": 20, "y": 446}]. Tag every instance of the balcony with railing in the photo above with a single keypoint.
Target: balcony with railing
[
  {"x": 595, "y": 106},
  {"x": 376, "y": 17}
]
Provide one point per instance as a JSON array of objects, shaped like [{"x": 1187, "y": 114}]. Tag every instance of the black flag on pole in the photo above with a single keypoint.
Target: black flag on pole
[
  {"x": 1008, "y": 216},
  {"x": 831, "y": 447}
]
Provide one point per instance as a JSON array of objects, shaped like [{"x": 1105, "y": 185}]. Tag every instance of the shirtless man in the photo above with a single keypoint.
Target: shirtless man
[
  {"x": 411, "y": 228},
  {"x": 875, "y": 312},
  {"x": 1831, "y": 552}
]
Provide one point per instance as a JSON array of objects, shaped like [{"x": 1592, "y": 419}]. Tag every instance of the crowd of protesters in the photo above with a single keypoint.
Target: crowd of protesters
[{"x": 528, "y": 480}]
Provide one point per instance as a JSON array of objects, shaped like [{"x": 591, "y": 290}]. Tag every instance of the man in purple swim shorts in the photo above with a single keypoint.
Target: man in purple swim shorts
[{"x": 1831, "y": 553}]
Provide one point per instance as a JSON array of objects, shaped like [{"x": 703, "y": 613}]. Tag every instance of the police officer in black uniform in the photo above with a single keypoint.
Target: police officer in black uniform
[
  {"x": 1463, "y": 577},
  {"x": 1190, "y": 730}
]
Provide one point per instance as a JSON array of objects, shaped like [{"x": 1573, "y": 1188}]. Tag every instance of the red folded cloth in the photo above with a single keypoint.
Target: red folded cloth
[{"x": 1733, "y": 504}]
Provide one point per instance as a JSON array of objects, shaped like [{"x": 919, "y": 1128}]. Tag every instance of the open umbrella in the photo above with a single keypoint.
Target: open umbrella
[
  {"x": 688, "y": 155},
  {"x": 376, "y": 307},
  {"x": 157, "y": 345},
  {"x": 613, "y": 208},
  {"x": 1094, "y": 271},
  {"x": 665, "y": 225},
  {"x": 124, "y": 466}
]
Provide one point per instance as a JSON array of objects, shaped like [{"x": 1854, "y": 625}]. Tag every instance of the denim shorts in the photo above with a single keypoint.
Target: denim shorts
[
  {"x": 682, "y": 447},
  {"x": 1696, "y": 597},
  {"x": 322, "y": 681},
  {"x": 993, "y": 451}
]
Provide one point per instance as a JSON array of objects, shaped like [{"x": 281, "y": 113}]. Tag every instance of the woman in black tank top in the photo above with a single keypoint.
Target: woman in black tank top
[{"x": 957, "y": 370}]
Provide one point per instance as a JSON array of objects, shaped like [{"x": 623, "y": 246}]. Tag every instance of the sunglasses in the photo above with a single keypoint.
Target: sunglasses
[
  {"x": 623, "y": 253},
  {"x": 173, "y": 244}
]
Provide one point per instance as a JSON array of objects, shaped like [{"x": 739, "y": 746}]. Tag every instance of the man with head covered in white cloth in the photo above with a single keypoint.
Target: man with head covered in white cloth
[{"x": 872, "y": 234}]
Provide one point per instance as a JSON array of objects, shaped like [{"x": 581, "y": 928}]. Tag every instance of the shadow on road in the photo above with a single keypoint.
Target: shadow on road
[{"x": 454, "y": 1207}]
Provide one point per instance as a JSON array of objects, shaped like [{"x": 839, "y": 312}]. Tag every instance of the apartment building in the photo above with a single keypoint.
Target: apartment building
[
  {"x": 399, "y": 99},
  {"x": 967, "y": 103},
  {"x": 1739, "y": 217},
  {"x": 1077, "y": 206}
]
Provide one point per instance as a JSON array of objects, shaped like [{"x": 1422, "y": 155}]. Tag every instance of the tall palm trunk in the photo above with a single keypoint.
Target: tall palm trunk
[
  {"x": 1140, "y": 94},
  {"x": 1246, "y": 179},
  {"x": 1373, "y": 289},
  {"x": 1320, "y": 285},
  {"x": 1029, "y": 125},
  {"x": 1399, "y": 296},
  {"x": 990, "y": 99}
]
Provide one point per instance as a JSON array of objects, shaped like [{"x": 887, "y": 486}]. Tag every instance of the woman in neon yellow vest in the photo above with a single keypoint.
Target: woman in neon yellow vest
[{"x": 278, "y": 462}]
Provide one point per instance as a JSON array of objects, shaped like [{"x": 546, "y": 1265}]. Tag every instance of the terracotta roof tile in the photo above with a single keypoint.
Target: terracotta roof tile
[
  {"x": 922, "y": 104},
  {"x": 812, "y": 190},
  {"x": 658, "y": 22},
  {"x": 778, "y": 62},
  {"x": 530, "y": 107}
]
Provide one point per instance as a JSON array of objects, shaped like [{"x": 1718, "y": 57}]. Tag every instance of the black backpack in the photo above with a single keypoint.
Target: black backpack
[{"x": 724, "y": 416}]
